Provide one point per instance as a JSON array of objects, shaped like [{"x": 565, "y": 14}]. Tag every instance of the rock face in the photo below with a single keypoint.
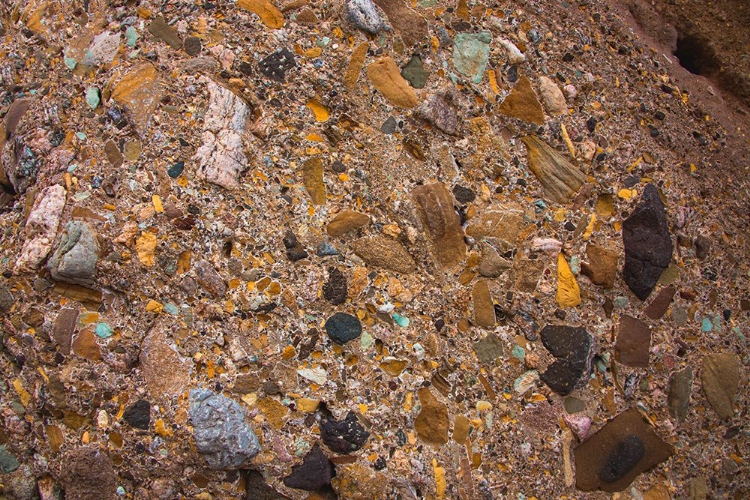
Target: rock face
[
  {"x": 74, "y": 260},
  {"x": 88, "y": 474},
  {"x": 313, "y": 474},
  {"x": 621, "y": 450},
  {"x": 434, "y": 204},
  {"x": 573, "y": 349},
  {"x": 343, "y": 436},
  {"x": 633, "y": 342},
  {"x": 648, "y": 245},
  {"x": 559, "y": 178},
  {"x": 221, "y": 158},
  {"x": 165, "y": 373},
  {"x": 433, "y": 422},
  {"x": 720, "y": 377},
  {"x": 221, "y": 434},
  {"x": 41, "y": 228}
]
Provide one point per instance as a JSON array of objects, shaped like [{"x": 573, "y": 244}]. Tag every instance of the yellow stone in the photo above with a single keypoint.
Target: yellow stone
[
  {"x": 312, "y": 178},
  {"x": 321, "y": 112},
  {"x": 183, "y": 262},
  {"x": 22, "y": 393},
  {"x": 393, "y": 367},
  {"x": 274, "y": 412},
  {"x": 156, "y": 200},
  {"x": 139, "y": 92},
  {"x": 568, "y": 292},
  {"x": 355, "y": 65},
  {"x": 307, "y": 405},
  {"x": 385, "y": 76},
  {"x": 268, "y": 12},
  {"x": 154, "y": 306},
  {"x": 626, "y": 194},
  {"x": 605, "y": 205},
  {"x": 484, "y": 405},
  {"x": 162, "y": 429},
  {"x": 440, "y": 483},
  {"x": 145, "y": 246}
]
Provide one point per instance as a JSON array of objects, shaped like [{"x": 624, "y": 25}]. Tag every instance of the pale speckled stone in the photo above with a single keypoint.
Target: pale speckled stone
[{"x": 41, "y": 228}]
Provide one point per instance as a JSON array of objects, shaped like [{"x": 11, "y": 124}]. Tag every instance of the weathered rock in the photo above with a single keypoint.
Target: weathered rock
[
  {"x": 471, "y": 52},
  {"x": 552, "y": 97},
  {"x": 193, "y": 46},
  {"x": 648, "y": 245},
  {"x": 439, "y": 112},
  {"x": 489, "y": 348},
  {"x": 346, "y": 222},
  {"x": 276, "y": 65},
  {"x": 86, "y": 345},
  {"x": 356, "y": 62},
  {"x": 313, "y": 474},
  {"x": 165, "y": 373},
  {"x": 504, "y": 224},
  {"x": 702, "y": 246},
  {"x": 41, "y": 228},
  {"x": 113, "y": 153},
  {"x": 65, "y": 325},
  {"x": 210, "y": 279},
  {"x": 415, "y": 73},
  {"x": 573, "y": 349},
  {"x": 434, "y": 204},
  {"x": 406, "y": 21},
  {"x": 558, "y": 177},
  {"x": 491, "y": 265},
  {"x": 267, "y": 11},
  {"x": 8, "y": 462},
  {"x": 484, "y": 309},
  {"x": 658, "y": 307},
  {"x": 294, "y": 249},
  {"x": 522, "y": 103},
  {"x": 433, "y": 422},
  {"x": 633, "y": 342},
  {"x": 720, "y": 377},
  {"x": 342, "y": 327},
  {"x": 527, "y": 273},
  {"x": 102, "y": 50},
  {"x": 88, "y": 474},
  {"x": 312, "y": 179},
  {"x": 384, "y": 252},
  {"x": 364, "y": 15},
  {"x": 359, "y": 482},
  {"x": 74, "y": 260},
  {"x": 343, "y": 436},
  {"x": 680, "y": 387},
  {"x": 139, "y": 92},
  {"x": 221, "y": 434},
  {"x": 698, "y": 488},
  {"x": 621, "y": 450},
  {"x": 221, "y": 157},
  {"x": 138, "y": 415},
  {"x": 335, "y": 290},
  {"x": 386, "y": 78},
  {"x": 164, "y": 32},
  {"x": 16, "y": 112},
  {"x": 601, "y": 267}
]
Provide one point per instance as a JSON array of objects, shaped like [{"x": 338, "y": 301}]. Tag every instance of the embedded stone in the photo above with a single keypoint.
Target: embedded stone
[
  {"x": 434, "y": 204},
  {"x": 406, "y": 21},
  {"x": 346, "y": 222},
  {"x": 313, "y": 474},
  {"x": 720, "y": 378},
  {"x": 484, "y": 309},
  {"x": 680, "y": 387},
  {"x": 74, "y": 260},
  {"x": 343, "y": 327},
  {"x": 559, "y": 178},
  {"x": 601, "y": 267},
  {"x": 385, "y": 252},
  {"x": 364, "y": 15},
  {"x": 433, "y": 422},
  {"x": 658, "y": 307},
  {"x": 386, "y": 78},
  {"x": 41, "y": 228},
  {"x": 522, "y": 103},
  {"x": 343, "y": 436},
  {"x": 633, "y": 342},
  {"x": 139, "y": 92},
  {"x": 573, "y": 349},
  {"x": 471, "y": 52}
]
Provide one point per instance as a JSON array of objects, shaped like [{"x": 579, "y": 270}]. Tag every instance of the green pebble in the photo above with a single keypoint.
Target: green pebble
[
  {"x": 8, "y": 463},
  {"x": 707, "y": 325},
  {"x": 365, "y": 340},
  {"x": 401, "y": 321},
  {"x": 70, "y": 63},
  {"x": 92, "y": 97},
  {"x": 471, "y": 52},
  {"x": 518, "y": 352},
  {"x": 103, "y": 330},
  {"x": 131, "y": 36}
]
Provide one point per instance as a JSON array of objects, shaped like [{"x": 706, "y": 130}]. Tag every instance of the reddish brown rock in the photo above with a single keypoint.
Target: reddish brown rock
[
  {"x": 85, "y": 346},
  {"x": 522, "y": 103},
  {"x": 88, "y": 474},
  {"x": 633, "y": 342},
  {"x": 720, "y": 378},
  {"x": 434, "y": 204},
  {"x": 621, "y": 450},
  {"x": 406, "y": 21},
  {"x": 601, "y": 267},
  {"x": 484, "y": 309},
  {"x": 65, "y": 325},
  {"x": 384, "y": 252},
  {"x": 432, "y": 423},
  {"x": 658, "y": 307},
  {"x": 165, "y": 373},
  {"x": 346, "y": 222}
]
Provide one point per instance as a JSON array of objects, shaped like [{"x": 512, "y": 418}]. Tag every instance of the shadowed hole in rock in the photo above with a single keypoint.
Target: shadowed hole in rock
[{"x": 696, "y": 55}]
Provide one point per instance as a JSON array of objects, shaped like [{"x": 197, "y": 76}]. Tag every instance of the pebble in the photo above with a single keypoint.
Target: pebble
[
  {"x": 102, "y": 50},
  {"x": 325, "y": 250},
  {"x": 343, "y": 327},
  {"x": 335, "y": 290},
  {"x": 568, "y": 292},
  {"x": 41, "y": 227},
  {"x": 138, "y": 415},
  {"x": 138, "y": 92},
  {"x": 64, "y": 327},
  {"x": 343, "y": 436},
  {"x": 269, "y": 14},
  {"x": 491, "y": 265},
  {"x": 313, "y": 474},
  {"x": 165, "y": 373},
  {"x": 8, "y": 463},
  {"x": 434, "y": 204},
  {"x": 210, "y": 279},
  {"x": 522, "y": 103},
  {"x": 559, "y": 178},
  {"x": 386, "y": 77},
  {"x": 489, "y": 348},
  {"x": 193, "y": 45},
  {"x": 658, "y": 307},
  {"x": 6, "y": 299},
  {"x": 360, "y": 482},
  {"x": 256, "y": 487},
  {"x": 552, "y": 97},
  {"x": 312, "y": 179},
  {"x": 633, "y": 342},
  {"x": 220, "y": 431},
  {"x": 75, "y": 259},
  {"x": 414, "y": 72},
  {"x": 164, "y": 32},
  {"x": 346, "y": 222},
  {"x": 381, "y": 251},
  {"x": 615, "y": 455},
  {"x": 276, "y": 65},
  {"x": 471, "y": 52},
  {"x": 176, "y": 169},
  {"x": 439, "y": 112},
  {"x": 364, "y": 15},
  {"x": 648, "y": 244},
  {"x": 515, "y": 56},
  {"x": 680, "y": 387},
  {"x": 432, "y": 423},
  {"x": 92, "y": 97},
  {"x": 484, "y": 309},
  {"x": 601, "y": 265},
  {"x": 410, "y": 25},
  {"x": 573, "y": 349},
  {"x": 720, "y": 378}
]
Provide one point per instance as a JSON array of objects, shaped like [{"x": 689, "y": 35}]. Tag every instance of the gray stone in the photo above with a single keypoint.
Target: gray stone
[
  {"x": 74, "y": 260},
  {"x": 8, "y": 463},
  {"x": 680, "y": 386},
  {"x": 489, "y": 348},
  {"x": 364, "y": 15},
  {"x": 6, "y": 299},
  {"x": 221, "y": 434},
  {"x": 415, "y": 73}
]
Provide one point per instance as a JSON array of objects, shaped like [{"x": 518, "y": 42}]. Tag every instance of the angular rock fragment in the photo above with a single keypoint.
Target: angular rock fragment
[
  {"x": 471, "y": 52},
  {"x": 313, "y": 474},
  {"x": 552, "y": 97},
  {"x": 312, "y": 179},
  {"x": 16, "y": 112},
  {"x": 504, "y": 224},
  {"x": 568, "y": 291},
  {"x": 102, "y": 50},
  {"x": 221, "y": 158},
  {"x": 484, "y": 309},
  {"x": 343, "y": 436},
  {"x": 386, "y": 78},
  {"x": 294, "y": 249},
  {"x": 335, "y": 290},
  {"x": 633, "y": 342},
  {"x": 256, "y": 487},
  {"x": 221, "y": 434},
  {"x": 406, "y": 21},
  {"x": 88, "y": 474},
  {"x": 720, "y": 378},
  {"x": 138, "y": 415},
  {"x": 648, "y": 244},
  {"x": 360, "y": 482},
  {"x": 433, "y": 422},
  {"x": 65, "y": 325},
  {"x": 113, "y": 153},
  {"x": 165, "y": 373},
  {"x": 559, "y": 178},
  {"x": 342, "y": 327},
  {"x": 384, "y": 252},
  {"x": 489, "y": 348},
  {"x": 267, "y": 11},
  {"x": 491, "y": 265},
  {"x": 439, "y": 112},
  {"x": 41, "y": 228},
  {"x": 680, "y": 387},
  {"x": 164, "y": 32},
  {"x": 138, "y": 93},
  {"x": 346, "y": 222},
  {"x": 658, "y": 307},
  {"x": 364, "y": 15},
  {"x": 573, "y": 349},
  {"x": 601, "y": 267},
  {"x": 522, "y": 103},
  {"x": 86, "y": 346},
  {"x": 356, "y": 62},
  {"x": 434, "y": 204},
  {"x": 209, "y": 279},
  {"x": 74, "y": 260},
  {"x": 275, "y": 65},
  {"x": 415, "y": 73},
  {"x": 621, "y": 450}
]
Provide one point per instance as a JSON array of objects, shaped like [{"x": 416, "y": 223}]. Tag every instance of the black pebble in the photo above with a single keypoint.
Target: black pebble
[
  {"x": 138, "y": 415},
  {"x": 342, "y": 328},
  {"x": 277, "y": 64},
  {"x": 344, "y": 436}
]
